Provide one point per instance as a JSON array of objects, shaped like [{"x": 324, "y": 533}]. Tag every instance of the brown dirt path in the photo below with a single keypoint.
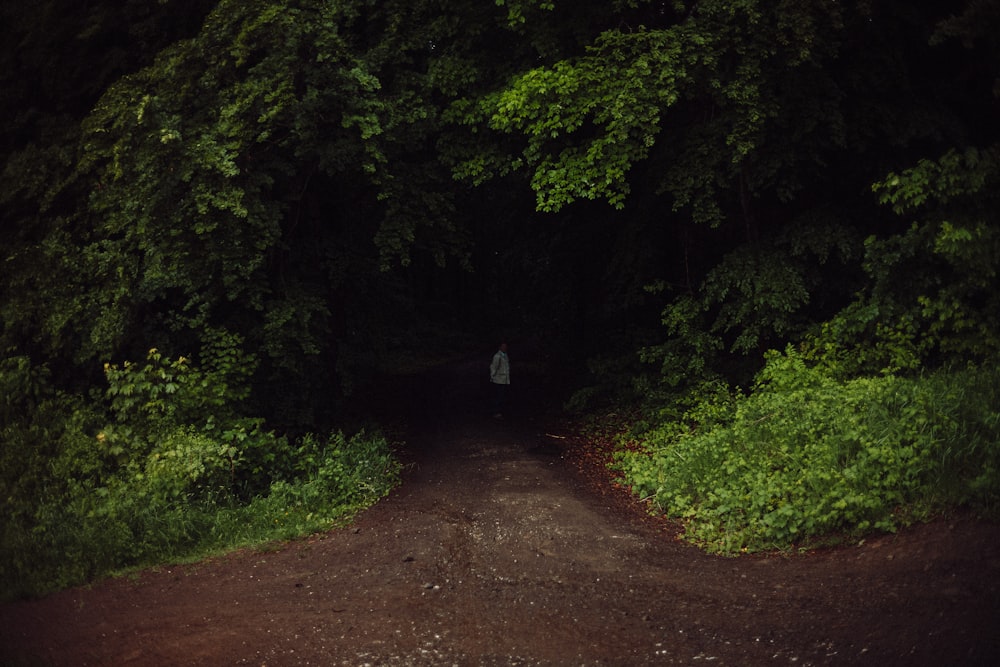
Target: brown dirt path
[{"x": 496, "y": 550}]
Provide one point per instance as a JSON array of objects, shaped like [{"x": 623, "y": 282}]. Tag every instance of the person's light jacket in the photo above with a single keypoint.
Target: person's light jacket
[{"x": 500, "y": 368}]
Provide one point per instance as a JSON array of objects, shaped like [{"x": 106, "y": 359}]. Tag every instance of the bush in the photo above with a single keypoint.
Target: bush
[
  {"x": 176, "y": 475},
  {"x": 88, "y": 531},
  {"x": 805, "y": 456}
]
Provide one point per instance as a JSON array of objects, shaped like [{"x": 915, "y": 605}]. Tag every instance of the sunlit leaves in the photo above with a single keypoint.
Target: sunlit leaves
[
  {"x": 619, "y": 90},
  {"x": 588, "y": 120}
]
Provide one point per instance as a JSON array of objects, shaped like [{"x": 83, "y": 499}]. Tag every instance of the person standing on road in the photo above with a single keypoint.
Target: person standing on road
[{"x": 500, "y": 378}]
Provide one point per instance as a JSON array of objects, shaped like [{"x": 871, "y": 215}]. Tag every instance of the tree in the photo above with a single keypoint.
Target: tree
[
  {"x": 263, "y": 176},
  {"x": 58, "y": 61},
  {"x": 282, "y": 170},
  {"x": 758, "y": 126}
]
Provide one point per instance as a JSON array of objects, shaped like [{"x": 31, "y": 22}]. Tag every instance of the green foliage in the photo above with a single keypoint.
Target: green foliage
[
  {"x": 888, "y": 413},
  {"x": 588, "y": 120},
  {"x": 760, "y": 291},
  {"x": 755, "y": 298},
  {"x": 178, "y": 473},
  {"x": 688, "y": 355},
  {"x": 64, "y": 58},
  {"x": 746, "y": 133},
  {"x": 171, "y": 391},
  {"x": 932, "y": 295},
  {"x": 250, "y": 174},
  {"x": 625, "y": 105},
  {"x": 37, "y": 424},
  {"x": 956, "y": 307},
  {"x": 806, "y": 456}
]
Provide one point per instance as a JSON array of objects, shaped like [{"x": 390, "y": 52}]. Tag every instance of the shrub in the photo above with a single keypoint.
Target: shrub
[
  {"x": 805, "y": 455},
  {"x": 176, "y": 475}
]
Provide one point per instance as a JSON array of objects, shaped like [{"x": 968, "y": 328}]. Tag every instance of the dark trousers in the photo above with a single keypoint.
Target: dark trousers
[{"x": 499, "y": 397}]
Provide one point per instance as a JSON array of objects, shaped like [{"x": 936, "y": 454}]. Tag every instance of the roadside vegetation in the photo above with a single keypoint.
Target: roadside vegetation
[
  {"x": 805, "y": 458},
  {"x": 170, "y": 471},
  {"x": 885, "y": 414}
]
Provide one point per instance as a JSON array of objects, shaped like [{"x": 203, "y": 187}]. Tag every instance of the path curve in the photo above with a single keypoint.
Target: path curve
[{"x": 494, "y": 551}]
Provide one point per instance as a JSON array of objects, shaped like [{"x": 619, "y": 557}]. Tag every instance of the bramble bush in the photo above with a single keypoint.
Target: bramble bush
[
  {"x": 170, "y": 471},
  {"x": 806, "y": 456}
]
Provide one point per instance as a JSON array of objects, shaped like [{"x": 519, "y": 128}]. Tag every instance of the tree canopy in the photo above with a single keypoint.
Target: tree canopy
[
  {"x": 271, "y": 168},
  {"x": 290, "y": 171}
]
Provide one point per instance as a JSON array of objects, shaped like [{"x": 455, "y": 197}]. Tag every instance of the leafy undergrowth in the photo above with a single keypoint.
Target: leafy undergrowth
[
  {"x": 171, "y": 473},
  {"x": 806, "y": 456},
  {"x": 87, "y": 533}
]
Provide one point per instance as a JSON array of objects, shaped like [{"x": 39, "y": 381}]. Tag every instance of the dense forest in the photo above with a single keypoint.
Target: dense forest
[{"x": 769, "y": 227}]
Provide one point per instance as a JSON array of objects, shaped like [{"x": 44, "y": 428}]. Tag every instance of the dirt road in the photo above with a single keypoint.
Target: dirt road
[{"x": 496, "y": 550}]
